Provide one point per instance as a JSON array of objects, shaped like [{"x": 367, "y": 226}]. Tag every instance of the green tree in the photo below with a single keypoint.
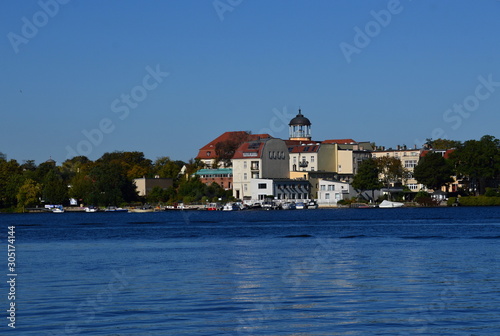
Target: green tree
[
  {"x": 29, "y": 194},
  {"x": 433, "y": 171},
  {"x": 166, "y": 168},
  {"x": 10, "y": 180},
  {"x": 134, "y": 163},
  {"x": 55, "y": 190},
  {"x": 367, "y": 177},
  {"x": 111, "y": 186},
  {"x": 391, "y": 171},
  {"x": 444, "y": 144},
  {"x": 478, "y": 162}
]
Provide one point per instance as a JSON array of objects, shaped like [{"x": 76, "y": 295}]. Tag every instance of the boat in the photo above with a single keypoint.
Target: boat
[
  {"x": 141, "y": 210},
  {"x": 58, "y": 209},
  {"x": 388, "y": 204},
  {"x": 91, "y": 209},
  {"x": 312, "y": 204},
  {"x": 231, "y": 207},
  {"x": 288, "y": 206},
  {"x": 212, "y": 207},
  {"x": 115, "y": 209},
  {"x": 300, "y": 206},
  {"x": 269, "y": 205}
]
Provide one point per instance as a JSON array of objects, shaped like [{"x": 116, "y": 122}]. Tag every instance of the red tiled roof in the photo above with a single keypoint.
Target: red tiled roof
[
  {"x": 304, "y": 148},
  {"x": 340, "y": 141},
  {"x": 208, "y": 151},
  {"x": 249, "y": 150}
]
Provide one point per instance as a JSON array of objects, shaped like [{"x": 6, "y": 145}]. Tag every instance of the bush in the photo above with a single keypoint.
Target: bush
[
  {"x": 423, "y": 198},
  {"x": 451, "y": 201},
  {"x": 490, "y": 192},
  {"x": 479, "y": 201}
]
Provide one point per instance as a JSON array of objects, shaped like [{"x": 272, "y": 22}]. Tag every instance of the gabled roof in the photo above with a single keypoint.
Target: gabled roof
[
  {"x": 249, "y": 150},
  {"x": 208, "y": 151}
]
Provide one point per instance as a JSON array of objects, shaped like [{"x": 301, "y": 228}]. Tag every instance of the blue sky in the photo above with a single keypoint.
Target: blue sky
[{"x": 166, "y": 77}]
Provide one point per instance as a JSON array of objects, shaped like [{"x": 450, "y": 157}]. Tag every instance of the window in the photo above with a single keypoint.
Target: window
[
  {"x": 245, "y": 176},
  {"x": 331, "y": 187},
  {"x": 413, "y": 186},
  {"x": 244, "y": 165},
  {"x": 209, "y": 153},
  {"x": 262, "y": 185},
  {"x": 323, "y": 187},
  {"x": 295, "y": 160},
  {"x": 327, "y": 196},
  {"x": 245, "y": 188},
  {"x": 312, "y": 158},
  {"x": 410, "y": 163}
]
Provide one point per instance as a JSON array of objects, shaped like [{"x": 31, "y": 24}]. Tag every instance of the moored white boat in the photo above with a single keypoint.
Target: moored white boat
[
  {"x": 312, "y": 204},
  {"x": 115, "y": 209},
  {"x": 300, "y": 206},
  {"x": 231, "y": 207},
  {"x": 388, "y": 204},
  {"x": 59, "y": 209},
  {"x": 91, "y": 209}
]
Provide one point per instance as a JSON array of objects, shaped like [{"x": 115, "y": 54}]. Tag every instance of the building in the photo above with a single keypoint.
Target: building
[
  {"x": 221, "y": 176},
  {"x": 330, "y": 192},
  {"x": 280, "y": 189},
  {"x": 145, "y": 185},
  {"x": 409, "y": 159},
  {"x": 226, "y": 143},
  {"x": 263, "y": 158}
]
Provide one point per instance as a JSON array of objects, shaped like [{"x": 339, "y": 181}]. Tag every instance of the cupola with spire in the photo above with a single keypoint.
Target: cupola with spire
[{"x": 300, "y": 128}]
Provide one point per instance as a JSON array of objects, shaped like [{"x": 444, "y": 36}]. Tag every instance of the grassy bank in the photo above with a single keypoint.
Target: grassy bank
[{"x": 474, "y": 201}]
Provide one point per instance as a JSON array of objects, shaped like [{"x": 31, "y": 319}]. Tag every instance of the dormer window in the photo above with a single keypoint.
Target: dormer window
[{"x": 209, "y": 153}]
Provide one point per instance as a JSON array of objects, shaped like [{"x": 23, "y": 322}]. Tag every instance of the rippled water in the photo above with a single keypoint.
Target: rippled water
[{"x": 311, "y": 272}]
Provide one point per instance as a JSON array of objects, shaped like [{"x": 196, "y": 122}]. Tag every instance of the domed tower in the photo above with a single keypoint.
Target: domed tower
[{"x": 300, "y": 128}]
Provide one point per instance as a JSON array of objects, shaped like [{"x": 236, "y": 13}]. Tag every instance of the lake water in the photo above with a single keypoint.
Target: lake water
[{"x": 422, "y": 271}]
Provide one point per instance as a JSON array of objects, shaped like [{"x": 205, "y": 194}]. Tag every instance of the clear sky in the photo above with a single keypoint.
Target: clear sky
[{"x": 166, "y": 77}]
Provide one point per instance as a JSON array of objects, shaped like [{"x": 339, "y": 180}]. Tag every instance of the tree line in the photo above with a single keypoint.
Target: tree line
[
  {"x": 104, "y": 182},
  {"x": 475, "y": 164}
]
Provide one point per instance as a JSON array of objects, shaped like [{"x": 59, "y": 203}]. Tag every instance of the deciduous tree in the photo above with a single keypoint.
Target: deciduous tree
[{"x": 433, "y": 171}]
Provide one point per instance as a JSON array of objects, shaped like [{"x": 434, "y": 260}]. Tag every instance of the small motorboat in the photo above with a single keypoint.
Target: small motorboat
[
  {"x": 388, "y": 204},
  {"x": 91, "y": 209},
  {"x": 312, "y": 204},
  {"x": 58, "y": 209},
  {"x": 300, "y": 206},
  {"x": 288, "y": 206},
  {"x": 231, "y": 207},
  {"x": 115, "y": 209},
  {"x": 212, "y": 207}
]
